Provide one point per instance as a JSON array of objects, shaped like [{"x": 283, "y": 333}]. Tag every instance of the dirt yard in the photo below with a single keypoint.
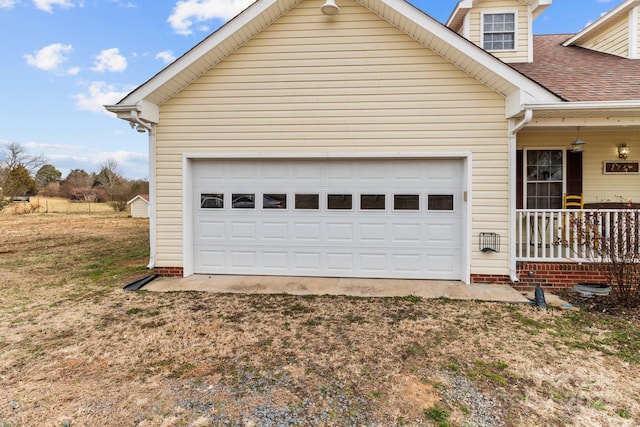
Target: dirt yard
[{"x": 77, "y": 350}]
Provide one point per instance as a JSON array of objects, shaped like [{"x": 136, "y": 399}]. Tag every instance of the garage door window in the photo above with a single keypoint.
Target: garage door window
[
  {"x": 243, "y": 201},
  {"x": 307, "y": 201},
  {"x": 212, "y": 201},
  {"x": 372, "y": 201},
  {"x": 339, "y": 201},
  {"x": 406, "y": 202},
  {"x": 440, "y": 202},
  {"x": 274, "y": 201}
]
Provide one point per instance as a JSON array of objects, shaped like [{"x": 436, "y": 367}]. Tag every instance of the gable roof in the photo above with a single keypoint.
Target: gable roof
[
  {"x": 602, "y": 22},
  {"x": 579, "y": 74},
  {"x": 143, "y": 197},
  {"x": 459, "y": 51}
]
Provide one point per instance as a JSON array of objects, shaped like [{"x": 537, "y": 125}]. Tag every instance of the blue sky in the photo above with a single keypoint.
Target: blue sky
[{"x": 64, "y": 59}]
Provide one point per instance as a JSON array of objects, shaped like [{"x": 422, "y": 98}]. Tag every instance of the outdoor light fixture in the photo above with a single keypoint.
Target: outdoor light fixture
[
  {"x": 140, "y": 128},
  {"x": 623, "y": 151},
  {"x": 578, "y": 144},
  {"x": 330, "y": 7}
]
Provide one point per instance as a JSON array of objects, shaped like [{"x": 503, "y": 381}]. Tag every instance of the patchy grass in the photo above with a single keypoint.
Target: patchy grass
[{"x": 75, "y": 349}]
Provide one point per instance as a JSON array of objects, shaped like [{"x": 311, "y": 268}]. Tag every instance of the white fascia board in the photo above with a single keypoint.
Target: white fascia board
[
  {"x": 460, "y": 12},
  {"x": 625, "y": 6},
  {"x": 467, "y": 48},
  {"x": 201, "y": 49}
]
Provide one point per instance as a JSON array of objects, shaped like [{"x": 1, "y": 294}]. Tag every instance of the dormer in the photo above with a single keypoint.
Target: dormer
[
  {"x": 616, "y": 32},
  {"x": 502, "y": 27}
]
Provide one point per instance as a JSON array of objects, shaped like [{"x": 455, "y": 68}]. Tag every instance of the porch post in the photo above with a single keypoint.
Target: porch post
[{"x": 514, "y": 128}]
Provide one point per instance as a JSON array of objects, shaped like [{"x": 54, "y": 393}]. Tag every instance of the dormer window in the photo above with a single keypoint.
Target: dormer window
[{"x": 499, "y": 31}]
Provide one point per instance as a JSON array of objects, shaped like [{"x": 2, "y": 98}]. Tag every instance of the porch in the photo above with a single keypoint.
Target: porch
[{"x": 563, "y": 247}]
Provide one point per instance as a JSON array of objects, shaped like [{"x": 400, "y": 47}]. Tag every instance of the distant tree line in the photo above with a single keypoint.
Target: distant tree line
[{"x": 24, "y": 175}]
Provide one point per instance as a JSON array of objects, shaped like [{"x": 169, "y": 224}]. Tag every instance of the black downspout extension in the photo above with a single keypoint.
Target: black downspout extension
[
  {"x": 135, "y": 286},
  {"x": 539, "y": 296}
]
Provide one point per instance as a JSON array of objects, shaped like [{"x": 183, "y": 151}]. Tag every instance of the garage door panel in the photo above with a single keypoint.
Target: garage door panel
[
  {"x": 441, "y": 263},
  {"x": 275, "y": 231},
  {"x": 442, "y": 234},
  {"x": 339, "y": 232},
  {"x": 243, "y": 230},
  {"x": 406, "y": 233},
  {"x": 244, "y": 259},
  {"x": 307, "y": 261},
  {"x": 307, "y": 231},
  {"x": 212, "y": 230},
  {"x": 211, "y": 258},
  {"x": 340, "y": 262},
  {"x": 275, "y": 261},
  {"x": 364, "y": 241},
  {"x": 407, "y": 262},
  {"x": 373, "y": 232},
  {"x": 374, "y": 262}
]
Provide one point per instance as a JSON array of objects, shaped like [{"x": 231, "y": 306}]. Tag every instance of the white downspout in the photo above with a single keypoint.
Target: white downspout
[
  {"x": 513, "y": 131},
  {"x": 152, "y": 197},
  {"x": 152, "y": 184}
]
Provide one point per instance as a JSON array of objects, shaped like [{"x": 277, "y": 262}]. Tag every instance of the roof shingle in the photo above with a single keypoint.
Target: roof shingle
[{"x": 579, "y": 74}]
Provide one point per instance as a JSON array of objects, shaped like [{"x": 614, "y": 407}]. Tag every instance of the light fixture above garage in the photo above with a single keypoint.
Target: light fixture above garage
[{"x": 577, "y": 146}]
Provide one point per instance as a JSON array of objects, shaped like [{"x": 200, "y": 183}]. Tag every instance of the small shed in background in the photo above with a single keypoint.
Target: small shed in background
[{"x": 139, "y": 206}]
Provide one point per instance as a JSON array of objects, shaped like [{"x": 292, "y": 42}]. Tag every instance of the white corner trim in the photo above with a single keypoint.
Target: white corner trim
[{"x": 634, "y": 15}]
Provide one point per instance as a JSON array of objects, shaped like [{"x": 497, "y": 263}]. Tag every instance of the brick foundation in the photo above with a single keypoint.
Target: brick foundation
[
  {"x": 549, "y": 275},
  {"x": 493, "y": 279},
  {"x": 557, "y": 275},
  {"x": 168, "y": 271}
]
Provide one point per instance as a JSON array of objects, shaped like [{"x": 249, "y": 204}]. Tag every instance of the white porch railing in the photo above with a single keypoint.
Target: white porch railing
[{"x": 562, "y": 235}]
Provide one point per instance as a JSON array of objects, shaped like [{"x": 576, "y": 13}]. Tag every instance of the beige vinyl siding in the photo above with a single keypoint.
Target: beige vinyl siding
[
  {"x": 601, "y": 146},
  {"x": 521, "y": 54},
  {"x": 614, "y": 39},
  {"x": 349, "y": 84}
]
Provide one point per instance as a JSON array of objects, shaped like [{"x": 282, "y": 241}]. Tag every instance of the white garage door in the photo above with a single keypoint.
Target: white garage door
[{"x": 336, "y": 218}]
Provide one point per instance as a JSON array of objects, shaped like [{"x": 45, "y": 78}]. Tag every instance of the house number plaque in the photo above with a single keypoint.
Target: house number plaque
[{"x": 621, "y": 168}]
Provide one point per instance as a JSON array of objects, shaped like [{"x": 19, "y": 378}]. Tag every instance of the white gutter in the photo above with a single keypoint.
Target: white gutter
[
  {"x": 513, "y": 131},
  {"x": 584, "y": 105}
]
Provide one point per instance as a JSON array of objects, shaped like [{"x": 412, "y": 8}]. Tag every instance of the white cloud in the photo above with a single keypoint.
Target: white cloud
[
  {"x": 73, "y": 71},
  {"x": 7, "y": 4},
  {"x": 97, "y": 95},
  {"x": 49, "y": 58},
  {"x": 110, "y": 60},
  {"x": 46, "y": 5},
  {"x": 188, "y": 12},
  {"x": 166, "y": 56}
]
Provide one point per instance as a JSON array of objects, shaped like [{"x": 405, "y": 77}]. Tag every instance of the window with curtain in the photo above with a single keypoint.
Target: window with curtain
[{"x": 544, "y": 179}]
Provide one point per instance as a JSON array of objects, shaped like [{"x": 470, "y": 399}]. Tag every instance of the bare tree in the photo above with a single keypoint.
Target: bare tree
[{"x": 15, "y": 154}]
